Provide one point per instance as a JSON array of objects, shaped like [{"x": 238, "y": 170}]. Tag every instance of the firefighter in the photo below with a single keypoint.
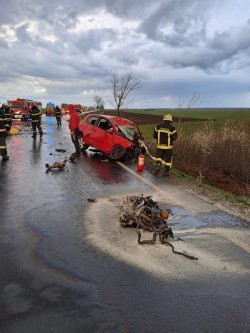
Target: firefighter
[
  {"x": 7, "y": 120},
  {"x": 165, "y": 134},
  {"x": 58, "y": 114},
  {"x": 74, "y": 129},
  {"x": 3, "y": 134},
  {"x": 35, "y": 116}
]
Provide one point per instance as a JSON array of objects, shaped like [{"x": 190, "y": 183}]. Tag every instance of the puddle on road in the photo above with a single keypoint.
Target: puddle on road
[
  {"x": 184, "y": 219},
  {"x": 222, "y": 219}
]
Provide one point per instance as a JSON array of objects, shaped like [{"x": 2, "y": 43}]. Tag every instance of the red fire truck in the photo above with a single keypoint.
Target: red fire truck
[
  {"x": 77, "y": 107},
  {"x": 20, "y": 107}
]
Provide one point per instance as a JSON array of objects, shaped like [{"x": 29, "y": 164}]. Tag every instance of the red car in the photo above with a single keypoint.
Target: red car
[{"x": 116, "y": 137}]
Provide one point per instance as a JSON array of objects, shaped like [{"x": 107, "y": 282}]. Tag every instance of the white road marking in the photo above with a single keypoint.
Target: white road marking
[{"x": 155, "y": 187}]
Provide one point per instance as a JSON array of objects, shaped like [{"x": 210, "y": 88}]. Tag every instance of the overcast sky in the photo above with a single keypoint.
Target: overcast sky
[{"x": 65, "y": 50}]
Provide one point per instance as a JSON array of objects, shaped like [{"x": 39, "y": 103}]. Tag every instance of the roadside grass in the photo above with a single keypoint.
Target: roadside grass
[
  {"x": 217, "y": 193},
  {"x": 219, "y": 147}
]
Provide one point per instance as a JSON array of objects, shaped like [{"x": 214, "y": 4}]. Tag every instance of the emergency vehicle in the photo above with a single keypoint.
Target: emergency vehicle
[
  {"x": 50, "y": 109},
  {"x": 77, "y": 107},
  {"x": 64, "y": 108},
  {"x": 20, "y": 107}
]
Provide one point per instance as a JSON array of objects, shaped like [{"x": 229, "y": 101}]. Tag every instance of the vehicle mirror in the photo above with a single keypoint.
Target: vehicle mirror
[{"x": 110, "y": 130}]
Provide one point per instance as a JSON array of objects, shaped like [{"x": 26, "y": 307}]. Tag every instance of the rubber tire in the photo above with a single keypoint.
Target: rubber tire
[
  {"x": 82, "y": 145},
  {"x": 23, "y": 118},
  {"x": 117, "y": 153}
]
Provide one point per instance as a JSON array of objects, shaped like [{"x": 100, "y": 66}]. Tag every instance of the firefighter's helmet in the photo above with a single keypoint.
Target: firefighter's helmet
[{"x": 168, "y": 117}]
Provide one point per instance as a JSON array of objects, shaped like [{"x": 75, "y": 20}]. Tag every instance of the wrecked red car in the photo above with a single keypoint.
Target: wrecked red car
[{"x": 116, "y": 137}]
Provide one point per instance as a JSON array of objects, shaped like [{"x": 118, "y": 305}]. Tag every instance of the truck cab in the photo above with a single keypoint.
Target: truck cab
[{"x": 19, "y": 108}]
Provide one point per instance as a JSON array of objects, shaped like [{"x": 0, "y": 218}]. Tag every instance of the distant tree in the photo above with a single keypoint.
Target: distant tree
[
  {"x": 99, "y": 102},
  {"x": 123, "y": 87},
  {"x": 193, "y": 102}
]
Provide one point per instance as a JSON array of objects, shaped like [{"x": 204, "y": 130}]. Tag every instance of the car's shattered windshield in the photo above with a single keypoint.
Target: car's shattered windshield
[{"x": 128, "y": 131}]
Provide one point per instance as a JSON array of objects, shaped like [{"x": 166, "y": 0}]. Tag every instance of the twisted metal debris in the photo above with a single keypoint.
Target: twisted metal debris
[{"x": 144, "y": 213}]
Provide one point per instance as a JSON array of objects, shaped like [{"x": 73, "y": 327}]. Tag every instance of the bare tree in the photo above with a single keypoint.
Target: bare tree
[
  {"x": 193, "y": 102},
  {"x": 123, "y": 87},
  {"x": 99, "y": 102}
]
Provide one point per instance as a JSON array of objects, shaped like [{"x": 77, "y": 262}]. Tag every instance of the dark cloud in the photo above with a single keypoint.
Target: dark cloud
[{"x": 68, "y": 47}]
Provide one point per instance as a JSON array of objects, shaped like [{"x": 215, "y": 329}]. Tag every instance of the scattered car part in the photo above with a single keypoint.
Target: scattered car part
[
  {"x": 56, "y": 165},
  {"x": 61, "y": 150},
  {"x": 91, "y": 199}
]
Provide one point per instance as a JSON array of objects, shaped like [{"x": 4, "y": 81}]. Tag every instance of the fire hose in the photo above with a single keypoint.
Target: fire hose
[{"x": 143, "y": 145}]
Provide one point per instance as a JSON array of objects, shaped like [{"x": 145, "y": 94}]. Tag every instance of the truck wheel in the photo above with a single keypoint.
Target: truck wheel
[
  {"x": 23, "y": 118},
  {"x": 117, "y": 152},
  {"x": 82, "y": 144}
]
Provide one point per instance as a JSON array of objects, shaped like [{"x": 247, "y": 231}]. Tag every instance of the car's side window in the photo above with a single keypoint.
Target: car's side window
[
  {"x": 104, "y": 124},
  {"x": 92, "y": 120}
]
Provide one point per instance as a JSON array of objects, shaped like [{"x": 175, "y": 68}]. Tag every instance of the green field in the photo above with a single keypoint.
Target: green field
[
  {"x": 217, "y": 115},
  {"x": 221, "y": 114}
]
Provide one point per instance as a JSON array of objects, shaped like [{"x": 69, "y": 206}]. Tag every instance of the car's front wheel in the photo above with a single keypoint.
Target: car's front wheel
[
  {"x": 117, "y": 152},
  {"x": 82, "y": 144}
]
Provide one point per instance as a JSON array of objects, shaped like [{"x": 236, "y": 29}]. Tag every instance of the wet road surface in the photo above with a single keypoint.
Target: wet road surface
[{"x": 67, "y": 265}]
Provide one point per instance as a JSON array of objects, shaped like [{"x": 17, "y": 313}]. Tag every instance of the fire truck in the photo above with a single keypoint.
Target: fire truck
[
  {"x": 20, "y": 107},
  {"x": 78, "y": 107}
]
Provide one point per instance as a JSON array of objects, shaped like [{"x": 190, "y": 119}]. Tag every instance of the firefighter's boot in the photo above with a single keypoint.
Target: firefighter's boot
[
  {"x": 157, "y": 169},
  {"x": 166, "y": 171}
]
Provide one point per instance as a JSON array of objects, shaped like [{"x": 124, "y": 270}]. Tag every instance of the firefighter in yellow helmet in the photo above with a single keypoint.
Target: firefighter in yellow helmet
[{"x": 165, "y": 134}]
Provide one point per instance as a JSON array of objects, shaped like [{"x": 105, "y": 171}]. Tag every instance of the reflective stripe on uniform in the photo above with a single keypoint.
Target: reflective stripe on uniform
[{"x": 163, "y": 146}]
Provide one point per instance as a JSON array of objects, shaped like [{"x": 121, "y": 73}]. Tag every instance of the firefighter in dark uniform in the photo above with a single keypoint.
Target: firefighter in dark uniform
[
  {"x": 165, "y": 134},
  {"x": 3, "y": 134},
  {"x": 35, "y": 116},
  {"x": 58, "y": 115},
  {"x": 8, "y": 119}
]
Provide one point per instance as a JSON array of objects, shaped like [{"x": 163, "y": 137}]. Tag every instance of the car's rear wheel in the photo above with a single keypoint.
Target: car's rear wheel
[
  {"x": 82, "y": 144},
  {"x": 117, "y": 152}
]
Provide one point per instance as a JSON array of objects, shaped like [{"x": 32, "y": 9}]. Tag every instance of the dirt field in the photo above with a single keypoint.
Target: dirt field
[{"x": 221, "y": 181}]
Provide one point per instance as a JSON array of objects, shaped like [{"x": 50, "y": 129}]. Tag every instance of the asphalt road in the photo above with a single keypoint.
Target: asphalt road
[{"x": 68, "y": 266}]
